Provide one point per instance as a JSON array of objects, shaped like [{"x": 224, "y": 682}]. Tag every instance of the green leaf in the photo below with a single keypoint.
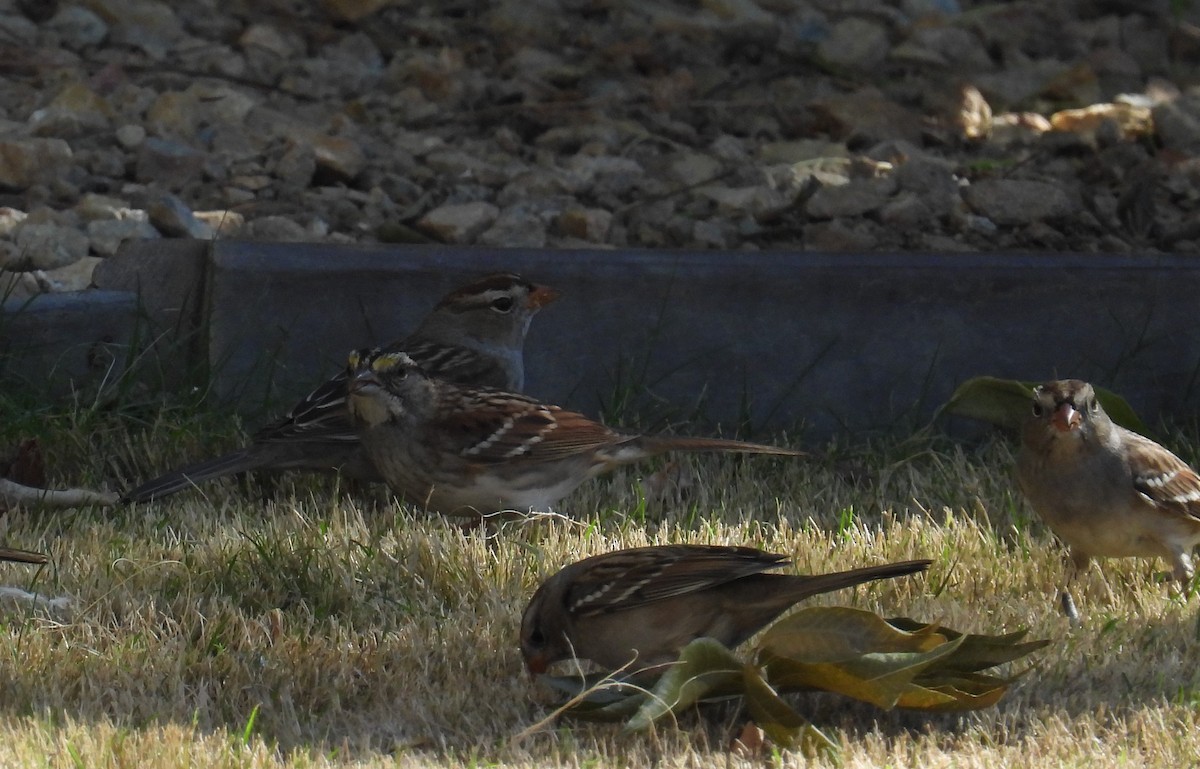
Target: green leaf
[
  {"x": 1005, "y": 402},
  {"x": 705, "y": 669},
  {"x": 1002, "y": 402}
]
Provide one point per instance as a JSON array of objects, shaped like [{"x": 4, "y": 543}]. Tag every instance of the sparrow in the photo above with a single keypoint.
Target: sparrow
[
  {"x": 639, "y": 607},
  {"x": 1105, "y": 491},
  {"x": 475, "y": 335},
  {"x": 453, "y": 448}
]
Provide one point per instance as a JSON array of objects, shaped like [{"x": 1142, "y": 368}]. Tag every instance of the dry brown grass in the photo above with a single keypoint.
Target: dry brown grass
[{"x": 213, "y": 630}]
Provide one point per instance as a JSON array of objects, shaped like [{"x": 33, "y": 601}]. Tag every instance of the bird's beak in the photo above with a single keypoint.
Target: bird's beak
[
  {"x": 541, "y": 296},
  {"x": 1066, "y": 418},
  {"x": 363, "y": 380}
]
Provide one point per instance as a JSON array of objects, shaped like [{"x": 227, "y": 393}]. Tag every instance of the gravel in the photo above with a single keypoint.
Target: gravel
[{"x": 925, "y": 125}]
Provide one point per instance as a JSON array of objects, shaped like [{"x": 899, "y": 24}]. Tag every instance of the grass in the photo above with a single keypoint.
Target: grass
[{"x": 320, "y": 629}]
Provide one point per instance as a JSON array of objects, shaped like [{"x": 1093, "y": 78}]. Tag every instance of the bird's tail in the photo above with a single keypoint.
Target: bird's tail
[
  {"x": 810, "y": 585},
  {"x": 21, "y": 556},
  {"x": 660, "y": 444},
  {"x": 240, "y": 461}
]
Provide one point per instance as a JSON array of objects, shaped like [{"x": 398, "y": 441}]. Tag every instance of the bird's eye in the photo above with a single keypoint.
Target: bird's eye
[
  {"x": 536, "y": 639},
  {"x": 1038, "y": 409},
  {"x": 502, "y": 304},
  {"x": 1094, "y": 406}
]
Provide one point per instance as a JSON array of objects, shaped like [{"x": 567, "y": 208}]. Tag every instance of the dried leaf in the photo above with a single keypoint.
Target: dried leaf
[
  {"x": 780, "y": 721},
  {"x": 978, "y": 652}
]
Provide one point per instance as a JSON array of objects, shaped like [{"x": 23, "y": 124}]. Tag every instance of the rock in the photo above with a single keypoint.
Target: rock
[
  {"x": 462, "y": 165},
  {"x": 590, "y": 224},
  {"x": 224, "y": 223},
  {"x": 170, "y": 164},
  {"x": 16, "y": 30},
  {"x": 796, "y": 151},
  {"x": 278, "y": 228},
  {"x": 692, "y": 168},
  {"x": 751, "y": 201},
  {"x": 730, "y": 149},
  {"x": 268, "y": 38},
  {"x": 1018, "y": 128},
  {"x": 353, "y": 64},
  {"x": 855, "y": 44},
  {"x": 923, "y": 8},
  {"x": 958, "y": 47},
  {"x": 93, "y": 206},
  {"x": 353, "y": 10},
  {"x": 130, "y": 136},
  {"x": 107, "y": 235},
  {"x": 1018, "y": 201},
  {"x": 338, "y": 159},
  {"x": 933, "y": 180},
  {"x": 868, "y": 117},
  {"x": 712, "y": 233},
  {"x": 518, "y": 226},
  {"x": 906, "y": 209},
  {"x": 75, "y": 111},
  {"x": 296, "y": 165},
  {"x": 1177, "y": 123},
  {"x": 609, "y": 174},
  {"x": 18, "y": 286},
  {"x": 458, "y": 222},
  {"x": 78, "y": 27},
  {"x": 1019, "y": 83},
  {"x": 537, "y": 183},
  {"x": 145, "y": 24},
  {"x": 24, "y": 162},
  {"x": 745, "y": 12},
  {"x": 73, "y": 277},
  {"x": 855, "y": 198},
  {"x": 837, "y": 235},
  {"x": 46, "y": 246},
  {"x": 571, "y": 138},
  {"x": 182, "y": 114},
  {"x": 173, "y": 218},
  {"x": 1127, "y": 120},
  {"x": 9, "y": 219}
]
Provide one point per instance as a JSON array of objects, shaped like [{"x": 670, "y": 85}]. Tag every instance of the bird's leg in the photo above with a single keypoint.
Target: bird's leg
[
  {"x": 1078, "y": 565},
  {"x": 1182, "y": 571}
]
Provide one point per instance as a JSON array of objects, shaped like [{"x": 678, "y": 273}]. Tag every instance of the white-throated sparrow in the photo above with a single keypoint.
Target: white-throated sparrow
[
  {"x": 1103, "y": 489},
  {"x": 643, "y": 605},
  {"x": 453, "y": 448},
  {"x": 475, "y": 335}
]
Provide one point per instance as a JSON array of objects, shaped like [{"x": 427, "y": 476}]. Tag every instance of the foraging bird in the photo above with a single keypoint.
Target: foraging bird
[
  {"x": 475, "y": 335},
  {"x": 644, "y": 604},
  {"x": 1105, "y": 491},
  {"x": 453, "y": 448}
]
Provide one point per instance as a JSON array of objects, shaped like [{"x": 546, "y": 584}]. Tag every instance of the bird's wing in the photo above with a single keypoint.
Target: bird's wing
[
  {"x": 322, "y": 416},
  {"x": 1163, "y": 478},
  {"x": 630, "y": 578},
  {"x": 493, "y": 427}
]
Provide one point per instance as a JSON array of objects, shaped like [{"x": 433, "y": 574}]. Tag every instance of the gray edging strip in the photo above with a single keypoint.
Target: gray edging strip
[{"x": 838, "y": 341}]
